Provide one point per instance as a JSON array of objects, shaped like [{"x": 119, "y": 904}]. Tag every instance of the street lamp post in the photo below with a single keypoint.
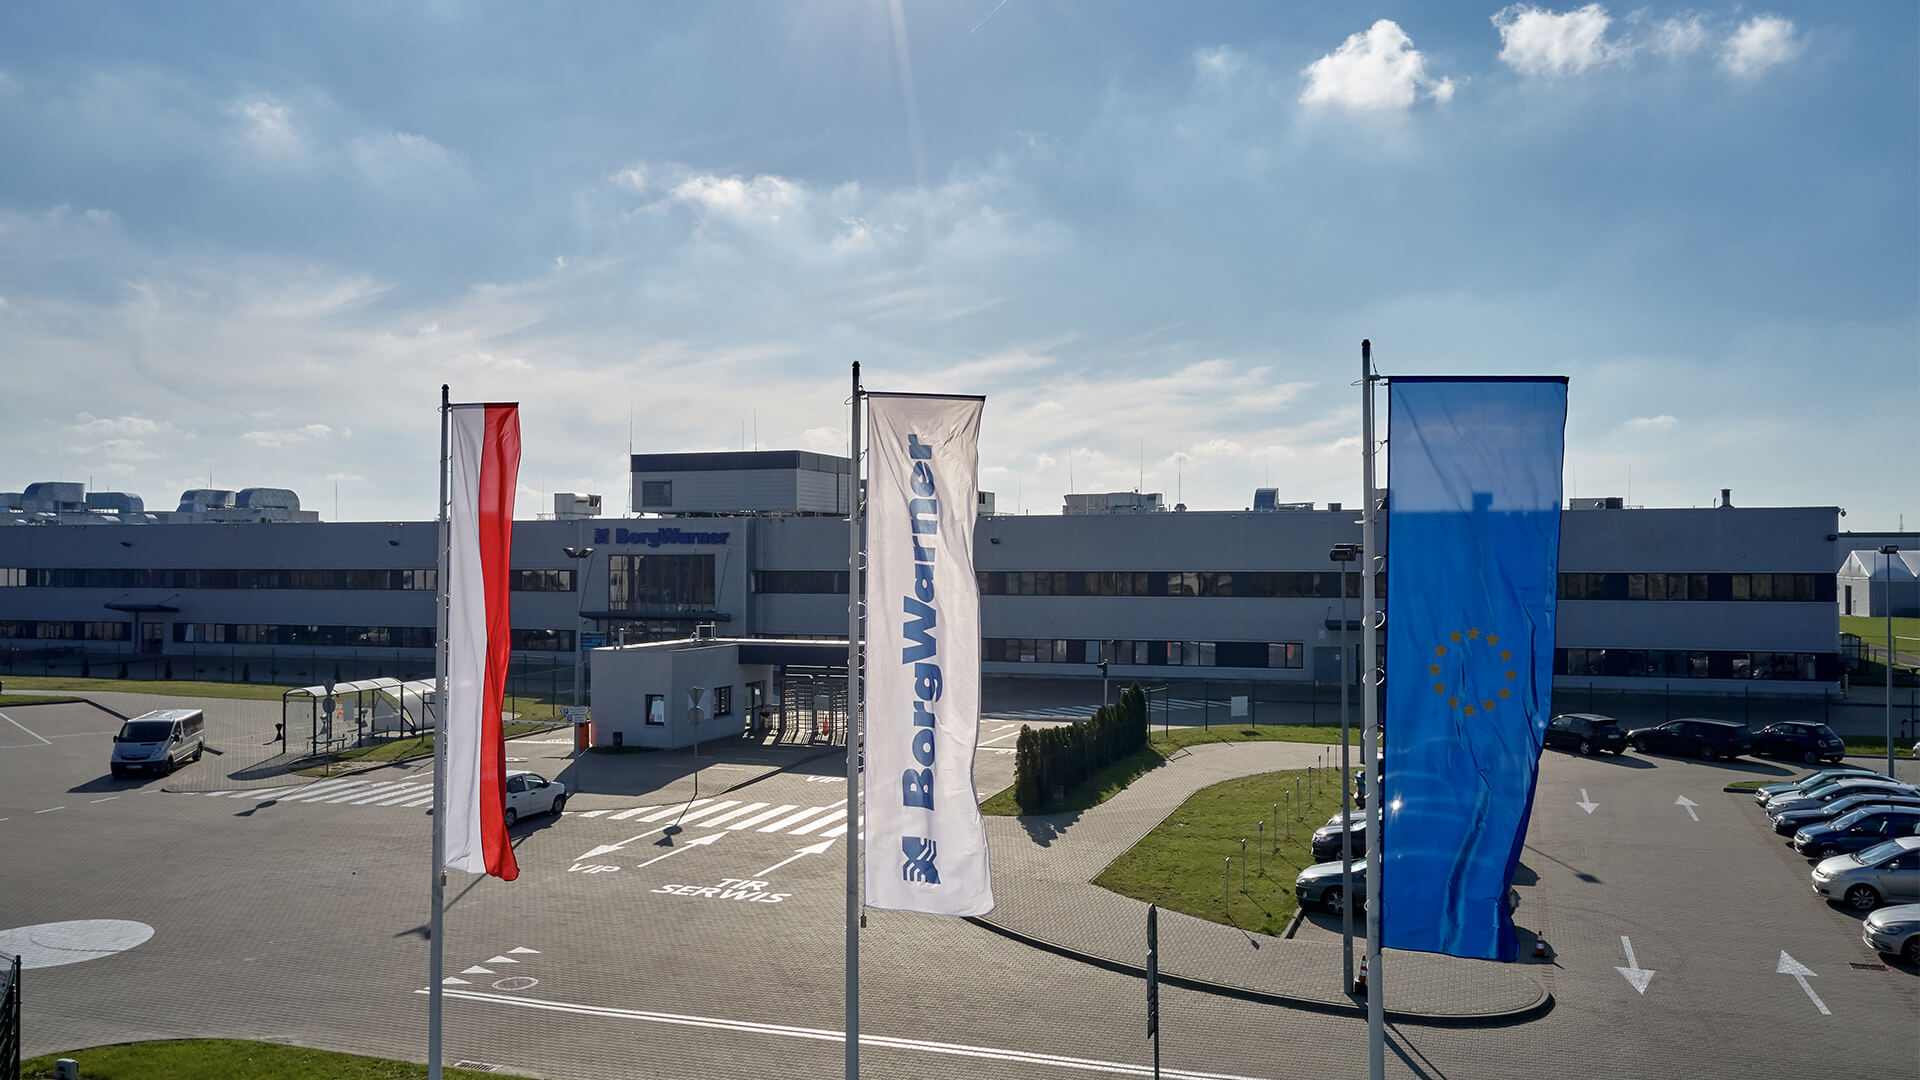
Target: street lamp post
[
  {"x": 1342, "y": 554},
  {"x": 1105, "y": 697},
  {"x": 1886, "y": 592},
  {"x": 578, "y": 554}
]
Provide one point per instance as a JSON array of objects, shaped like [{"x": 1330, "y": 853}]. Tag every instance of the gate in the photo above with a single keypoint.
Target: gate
[{"x": 813, "y": 706}]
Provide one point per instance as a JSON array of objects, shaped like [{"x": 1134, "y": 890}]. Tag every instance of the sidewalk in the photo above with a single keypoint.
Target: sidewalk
[{"x": 1043, "y": 867}]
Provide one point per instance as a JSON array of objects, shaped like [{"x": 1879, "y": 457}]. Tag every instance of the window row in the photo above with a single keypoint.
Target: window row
[
  {"x": 1239, "y": 654},
  {"x": 143, "y": 578},
  {"x": 827, "y": 582},
  {"x": 675, "y": 582},
  {"x": 385, "y": 637},
  {"x": 1697, "y": 664},
  {"x": 1261, "y": 584},
  {"x": 1803, "y": 588},
  {"x": 63, "y": 630}
]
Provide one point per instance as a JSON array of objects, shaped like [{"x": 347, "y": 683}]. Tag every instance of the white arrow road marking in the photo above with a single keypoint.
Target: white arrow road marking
[
  {"x": 500, "y": 960},
  {"x": 1789, "y": 966},
  {"x": 990, "y": 1053},
  {"x": 604, "y": 848},
  {"x": 477, "y": 970},
  {"x": 451, "y": 981},
  {"x": 1637, "y": 976},
  {"x": 810, "y": 849},
  {"x": 1585, "y": 803},
  {"x": 1689, "y": 804},
  {"x": 522, "y": 950},
  {"x": 693, "y": 843}
]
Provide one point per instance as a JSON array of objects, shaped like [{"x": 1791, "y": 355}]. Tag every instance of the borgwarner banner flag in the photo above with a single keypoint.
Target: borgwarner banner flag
[
  {"x": 484, "y": 466},
  {"x": 1473, "y": 554},
  {"x": 925, "y": 846}
]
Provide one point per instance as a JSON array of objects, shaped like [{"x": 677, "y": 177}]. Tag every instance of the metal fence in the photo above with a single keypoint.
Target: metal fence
[{"x": 10, "y": 1023}]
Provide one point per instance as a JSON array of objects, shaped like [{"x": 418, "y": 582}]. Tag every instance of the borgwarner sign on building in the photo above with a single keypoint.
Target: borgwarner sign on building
[{"x": 657, "y": 537}]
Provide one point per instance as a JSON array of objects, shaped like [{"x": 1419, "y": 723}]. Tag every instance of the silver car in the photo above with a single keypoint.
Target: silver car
[
  {"x": 1894, "y": 930},
  {"x": 1839, "y": 789},
  {"x": 1812, "y": 780},
  {"x": 1882, "y": 873}
]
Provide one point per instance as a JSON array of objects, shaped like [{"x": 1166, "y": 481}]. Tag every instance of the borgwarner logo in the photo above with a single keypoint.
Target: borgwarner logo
[{"x": 657, "y": 537}]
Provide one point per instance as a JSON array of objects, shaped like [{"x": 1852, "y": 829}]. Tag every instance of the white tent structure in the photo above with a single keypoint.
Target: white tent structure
[
  {"x": 341, "y": 714},
  {"x": 1870, "y": 583}
]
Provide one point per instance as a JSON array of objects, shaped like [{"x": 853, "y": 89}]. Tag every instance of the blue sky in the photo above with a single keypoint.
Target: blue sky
[{"x": 251, "y": 241}]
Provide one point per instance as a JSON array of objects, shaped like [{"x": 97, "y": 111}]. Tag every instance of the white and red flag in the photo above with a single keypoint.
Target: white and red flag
[{"x": 483, "y": 470}]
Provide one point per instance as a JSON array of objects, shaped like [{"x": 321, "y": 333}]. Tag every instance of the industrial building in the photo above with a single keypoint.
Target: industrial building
[{"x": 754, "y": 545}]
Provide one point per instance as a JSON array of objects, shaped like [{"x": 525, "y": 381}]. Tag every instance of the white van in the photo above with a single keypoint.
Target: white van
[{"x": 161, "y": 740}]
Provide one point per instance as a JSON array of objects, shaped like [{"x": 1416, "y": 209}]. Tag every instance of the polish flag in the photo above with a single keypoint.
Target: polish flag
[{"x": 484, "y": 469}]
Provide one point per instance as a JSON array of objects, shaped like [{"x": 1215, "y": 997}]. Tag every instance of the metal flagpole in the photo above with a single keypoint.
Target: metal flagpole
[
  {"x": 853, "y": 735},
  {"x": 1370, "y": 731},
  {"x": 435, "y": 958}
]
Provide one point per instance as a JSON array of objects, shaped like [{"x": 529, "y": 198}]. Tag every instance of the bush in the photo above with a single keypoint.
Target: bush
[{"x": 1065, "y": 757}]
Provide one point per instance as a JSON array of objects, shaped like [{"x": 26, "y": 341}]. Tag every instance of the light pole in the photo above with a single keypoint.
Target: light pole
[
  {"x": 1886, "y": 592},
  {"x": 577, "y": 554},
  {"x": 1105, "y": 699},
  {"x": 1342, "y": 554}
]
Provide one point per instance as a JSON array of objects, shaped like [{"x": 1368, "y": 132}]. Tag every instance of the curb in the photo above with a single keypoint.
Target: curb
[
  {"x": 69, "y": 701},
  {"x": 1262, "y": 997}
]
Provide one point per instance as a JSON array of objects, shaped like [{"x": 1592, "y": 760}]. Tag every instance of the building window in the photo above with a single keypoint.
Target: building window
[
  {"x": 1284, "y": 654},
  {"x": 817, "y": 582},
  {"x": 656, "y": 493},
  {"x": 543, "y": 581},
  {"x": 656, "y": 710},
  {"x": 672, "y": 582},
  {"x": 723, "y": 701}
]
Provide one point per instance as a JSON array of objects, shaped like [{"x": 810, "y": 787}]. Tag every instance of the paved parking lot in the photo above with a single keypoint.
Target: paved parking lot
[{"x": 635, "y": 946}]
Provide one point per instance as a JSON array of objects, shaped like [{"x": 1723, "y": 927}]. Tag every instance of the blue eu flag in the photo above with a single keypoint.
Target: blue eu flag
[{"x": 1473, "y": 550}]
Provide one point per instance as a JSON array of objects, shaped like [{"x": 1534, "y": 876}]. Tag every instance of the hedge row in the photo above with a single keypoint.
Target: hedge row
[{"x": 1061, "y": 758}]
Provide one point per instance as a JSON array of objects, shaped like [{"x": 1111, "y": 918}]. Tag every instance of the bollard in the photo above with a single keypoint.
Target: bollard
[
  {"x": 1226, "y": 886},
  {"x": 1243, "y": 864},
  {"x": 1260, "y": 838}
]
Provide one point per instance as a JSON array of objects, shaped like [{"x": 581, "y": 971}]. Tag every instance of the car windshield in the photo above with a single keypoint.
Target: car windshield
[
  {"x": 1825, "y": 732},
  {"x": 1879, "y": 852},
  {"x": 1851, "y": 818},
  {"x": 145, "y": 730}
]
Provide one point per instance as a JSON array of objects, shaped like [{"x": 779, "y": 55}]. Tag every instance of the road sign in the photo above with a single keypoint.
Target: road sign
[{"x": 576, "y": 714}]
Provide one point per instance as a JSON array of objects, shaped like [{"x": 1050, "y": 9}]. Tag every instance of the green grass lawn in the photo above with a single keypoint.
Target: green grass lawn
[
  {"x": 1906, "y": 632},
  {"x": 165, "y": 687},
  {"x": 223, "y": 1059},
  {"x": 1113, "y": 779},
  {"x": 35, "y": 699},
  {"x": 398, "y": 750},
  {"x": 1181, "y": 864}
]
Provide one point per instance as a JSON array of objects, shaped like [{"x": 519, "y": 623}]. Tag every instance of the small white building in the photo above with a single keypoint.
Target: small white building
[
  {"x": 1870, "y": 583},
  {"x": 669, "y": 694}
]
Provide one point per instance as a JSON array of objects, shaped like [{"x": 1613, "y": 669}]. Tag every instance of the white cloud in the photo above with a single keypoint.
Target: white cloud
[
  {"x": 278, "y": 439},
  {"x": 1537, "y": 42},
  {"x": 1376, "y": 70},
  {"x": 268, "y": 127},
  {"x": 1652, "y": 423},
  {"x": 344, "y": 476},
  {"x": 1679, "y": 36},
  {"x": 1220, "y": 62},
  {"x": 87, "y": 424},
  {"x": 763, "y": 198},
  {"x": 632, "y": 178},
  {"x": 100, "y": 217},
  {"x": 1760, "y": 43}
]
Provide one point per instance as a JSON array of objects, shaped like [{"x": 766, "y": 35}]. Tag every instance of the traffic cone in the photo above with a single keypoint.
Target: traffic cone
[
  {"x": 1360, "y": 977},
  {"x": 1540, "y": 945}
]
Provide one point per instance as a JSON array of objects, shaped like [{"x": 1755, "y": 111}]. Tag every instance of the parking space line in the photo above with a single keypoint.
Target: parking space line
[
  {"x": 49, "y": 809},
  {"x": 748, "y": 823},
  {"x": 25, "y": 728},
  {"x": 109, "y": 798}
]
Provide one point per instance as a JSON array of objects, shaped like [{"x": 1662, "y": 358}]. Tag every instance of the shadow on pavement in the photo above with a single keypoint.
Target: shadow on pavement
[{"x": 1043, "y": 829}]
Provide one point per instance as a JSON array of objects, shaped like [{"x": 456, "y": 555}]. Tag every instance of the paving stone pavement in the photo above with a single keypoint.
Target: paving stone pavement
[{"x": 1044, "y": 865}]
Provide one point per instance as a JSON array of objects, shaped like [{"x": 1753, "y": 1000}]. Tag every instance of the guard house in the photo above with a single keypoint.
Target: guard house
[{"x": 670, "y": 694}]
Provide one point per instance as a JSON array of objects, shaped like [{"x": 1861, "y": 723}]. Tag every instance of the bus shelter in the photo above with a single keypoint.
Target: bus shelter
[{"x": 335, "y": 716}]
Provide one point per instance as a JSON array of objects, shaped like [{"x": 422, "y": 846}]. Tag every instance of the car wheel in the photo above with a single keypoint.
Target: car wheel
[
  {"x": 198, "y": 750},
  {"x": 1911, "y": 954},
  {"x": 559, "y": 804},
  {"x": 1333, "y": 900},
  {"x": 1706, "y": 753},
  {"x": 1586, "y": 748},
  {"x": 1810, "y": 757},
  {"x": 1826, "y": 851},
  {"x": 512, "y": 816},
  {"x": 1863, "y": 898},
  {"x": 1640, "y": 745}
]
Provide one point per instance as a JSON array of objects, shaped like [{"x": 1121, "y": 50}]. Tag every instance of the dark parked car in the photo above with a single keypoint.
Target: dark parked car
[
  {"x": 1839, "y": 789},
  {"x": 1588, "y": 733},
  {"x": 1799, "y": 742},
  {"x": 1694, "y": 736},
  {"x": 1326, "y": 840},
  {"x": 1810, "y": 781},
  {"x": 1788, "y": 822},
  {"x": 1857, "y": 830}
]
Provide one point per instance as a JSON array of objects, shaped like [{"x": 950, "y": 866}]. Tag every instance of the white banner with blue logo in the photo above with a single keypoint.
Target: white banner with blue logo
[
  {"x": 1473, "y": 550},
  {"x": 925, "y": 847}
]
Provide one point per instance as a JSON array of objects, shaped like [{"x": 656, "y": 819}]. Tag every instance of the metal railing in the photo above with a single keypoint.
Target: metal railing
[{"x": 10, "y": 1023}]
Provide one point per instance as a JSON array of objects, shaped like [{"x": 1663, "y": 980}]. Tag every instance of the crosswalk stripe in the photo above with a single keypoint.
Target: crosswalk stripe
[
  {"x": 260, "y": 795},
  {"x": 408, "y": 789},
  {"x": 625, "y": 814},
  {"x": 661, "y": 815},
  {"x": 217, "y": 794},
  {"x": 587, "y": 813},
  {"x": 705, "y": 810},
  {"x": 418, "y": 802},
  {"x": 840, "y": 829},
  {"x": 748, "y": 823},
  {"x": 812, "y": 825},
  {"x": 388, "y": 786},
  {"x": 408, "y": 794},
  {"x": 317, "y": 792},
  {"x": 796, "y": 819},
  {"x": 714, "y": 822}
]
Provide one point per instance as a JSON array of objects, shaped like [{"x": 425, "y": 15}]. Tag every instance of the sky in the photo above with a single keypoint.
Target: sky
[{"x": 245, "y": 244}]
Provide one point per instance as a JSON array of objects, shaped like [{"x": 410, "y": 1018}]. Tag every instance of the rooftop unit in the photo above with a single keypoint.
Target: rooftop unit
[
  {"x": 1114, "y": 502},
  {"x": 1610, "y": 502},
  {"x": 570, "y": 507},
  {"x": 744, "y": 482}
]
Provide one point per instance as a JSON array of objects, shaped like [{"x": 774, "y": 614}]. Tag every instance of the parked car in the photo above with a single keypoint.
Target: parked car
[
  {"x": 1695, "y": 736},
  {"x": 1839, "y": 789},
  {"x": 1319, "y": 885},
  {"x": 160, "y": 741},
  {"x": 1857, "y": 830},
  {"x": 1588, "y": 733},
  {"x": 1864, "y": 881},
  {"x": 1799, "y": 742},
  {"x": 1810, "y": 781},
  {"x": 1894, "y": 930},
  {"x": 1788, "y": 822},
  {"x": 1326, "y": 839},
  {"x": 530, "y": 793}
]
